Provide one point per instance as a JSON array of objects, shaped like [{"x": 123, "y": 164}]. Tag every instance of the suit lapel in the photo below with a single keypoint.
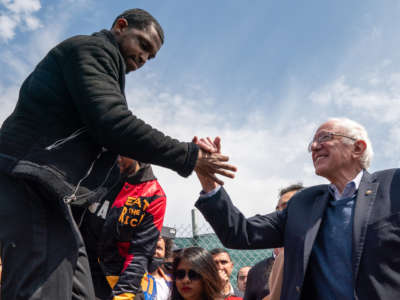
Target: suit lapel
[
  {"x": 365, "y": 200},
  {"x": 316, "y": 215}
]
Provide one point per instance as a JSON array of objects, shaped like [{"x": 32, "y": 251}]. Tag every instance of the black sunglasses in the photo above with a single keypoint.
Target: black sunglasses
[{"x": 181, "y": 274}]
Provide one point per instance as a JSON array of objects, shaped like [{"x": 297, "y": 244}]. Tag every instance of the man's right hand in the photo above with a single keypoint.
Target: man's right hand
[{"x": 224, "y": 277}]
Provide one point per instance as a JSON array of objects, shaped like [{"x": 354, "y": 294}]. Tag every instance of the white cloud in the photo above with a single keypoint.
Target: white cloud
[
  {"x": 32, "y": 23},
  {"x": 22, "y": 6},
  {"x": 377, "y": 98},
  {"x": 6, "y": 94},
  {"x": 7, "y": 27},
  {"x": 18, "y": 14}
]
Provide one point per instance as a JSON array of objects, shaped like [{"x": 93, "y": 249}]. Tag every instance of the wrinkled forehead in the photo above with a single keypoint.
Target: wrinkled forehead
[{"x": 330, "y": 126}]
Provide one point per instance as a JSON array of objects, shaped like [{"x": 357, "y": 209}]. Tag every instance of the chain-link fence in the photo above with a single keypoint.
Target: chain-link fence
[{"x": 199, "y": 233}]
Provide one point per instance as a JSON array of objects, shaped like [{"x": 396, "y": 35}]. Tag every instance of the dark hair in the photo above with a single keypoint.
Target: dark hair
[
  {"x": 291, "y": 188},
  {"x": 140, "y": 19},
  {"x": 168, "y": 246},
  {"x": 220, "y": 250},
  {"x": 201, "y": 261}
]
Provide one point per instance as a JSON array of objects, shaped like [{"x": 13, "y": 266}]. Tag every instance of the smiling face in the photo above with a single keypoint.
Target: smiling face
[
  {"x": 335, "y": 159},
  {"x": 223, "y": 263},
  {"x": 137, "y": 46},
  {"x": 187, "y": 288}
]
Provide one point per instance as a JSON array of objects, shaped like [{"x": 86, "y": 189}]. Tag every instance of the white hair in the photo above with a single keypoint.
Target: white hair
[{"x": 356, "y": 131}]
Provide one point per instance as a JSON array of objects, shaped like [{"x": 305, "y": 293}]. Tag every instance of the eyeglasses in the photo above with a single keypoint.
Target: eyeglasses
[
  {"x": 325, "y": 137},
  {"x": 192, "y": 275}
]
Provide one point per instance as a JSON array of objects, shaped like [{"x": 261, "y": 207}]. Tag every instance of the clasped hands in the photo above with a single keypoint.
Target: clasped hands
[{"x": 210, "y": 162}]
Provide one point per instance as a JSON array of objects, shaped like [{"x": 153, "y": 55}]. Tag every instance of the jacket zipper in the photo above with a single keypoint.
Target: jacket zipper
[
  {"x": 62, "y": 141},
  {"x": 73, "y": 197}
]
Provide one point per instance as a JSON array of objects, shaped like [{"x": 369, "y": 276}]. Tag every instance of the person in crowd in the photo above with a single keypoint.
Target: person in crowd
[
  {"x": 242, "y": 280},
  {"x": 276, "y": 274},
  {"x": 259, "y": 277},
  {"x": 121, "y": 231},
  {"x": 341, "y": 238},
  {"x": 163, "y": 282},
  {"x": 156, "y": 284},
  {"x": 59, "y": 146},
  {"x": 225, "y": 266},
  {"x": 195, "y": 276},
  {"x": 168, "y": 260}
]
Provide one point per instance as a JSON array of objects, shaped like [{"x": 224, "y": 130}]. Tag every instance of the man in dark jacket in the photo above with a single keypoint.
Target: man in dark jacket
[{"x": 59, "y": 147}]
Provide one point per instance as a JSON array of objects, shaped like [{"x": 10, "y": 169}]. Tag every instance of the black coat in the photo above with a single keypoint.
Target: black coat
[
  {"x": 375, "y": 242},
  {"x": 257, "y": 280},
  {"x": 72, "y": 119}
]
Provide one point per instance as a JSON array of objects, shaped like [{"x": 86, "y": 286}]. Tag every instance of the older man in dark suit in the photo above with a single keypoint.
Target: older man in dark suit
[{"x": 342, "y": 238}]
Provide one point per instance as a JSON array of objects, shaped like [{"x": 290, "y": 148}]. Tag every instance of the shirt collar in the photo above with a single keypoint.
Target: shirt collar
[
  {"x": 231, "y": 291},
  {"x": 349, "y": 190}
]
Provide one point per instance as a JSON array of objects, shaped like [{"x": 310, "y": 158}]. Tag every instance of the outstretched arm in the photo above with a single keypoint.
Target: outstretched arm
[{"x": 235, "y": 231}]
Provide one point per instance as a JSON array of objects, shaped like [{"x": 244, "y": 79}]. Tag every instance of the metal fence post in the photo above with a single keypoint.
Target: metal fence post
[
  {"x": 195, "y": 233},
  {"x": 194, "y": 223}
]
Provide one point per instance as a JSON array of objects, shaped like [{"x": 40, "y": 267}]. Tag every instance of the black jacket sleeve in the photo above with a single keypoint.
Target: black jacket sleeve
[
  {"x": 92, "y": 72},
  {"x": 238, "y": 232}
]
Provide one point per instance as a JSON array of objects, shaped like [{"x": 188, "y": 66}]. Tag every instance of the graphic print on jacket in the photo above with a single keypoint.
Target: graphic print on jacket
[{"x": 130, "y": 233}]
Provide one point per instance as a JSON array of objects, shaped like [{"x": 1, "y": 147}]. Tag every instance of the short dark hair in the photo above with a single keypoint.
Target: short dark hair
[
  {"x": 140, "y": 19},
  {"x": 293, "y": 187},
  {"x": 201, "y": 262},
  {"x": 220, "y": 250}
]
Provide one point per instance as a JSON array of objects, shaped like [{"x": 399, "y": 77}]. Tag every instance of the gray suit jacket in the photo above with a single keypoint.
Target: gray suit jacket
[{"x": 376, "y": 234}]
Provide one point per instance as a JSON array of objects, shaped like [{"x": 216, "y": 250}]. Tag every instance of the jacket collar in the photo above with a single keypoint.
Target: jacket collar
[
  {"x": 316, "y": 215},
  {"x": 363, "y": 207},
  {"x": 144, "y": 174},
  {"x": 108, "y": 35}
]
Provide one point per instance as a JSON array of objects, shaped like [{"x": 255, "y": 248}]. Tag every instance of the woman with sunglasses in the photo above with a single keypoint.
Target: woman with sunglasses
[{"x": 195, "y": 276}]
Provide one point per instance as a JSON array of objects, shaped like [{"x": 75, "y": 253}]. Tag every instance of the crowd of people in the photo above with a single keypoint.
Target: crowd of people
[{"x": 81, "y": 212}]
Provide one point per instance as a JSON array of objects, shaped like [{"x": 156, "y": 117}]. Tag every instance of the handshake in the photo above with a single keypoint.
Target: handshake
[{"x": 210, "y": 162}]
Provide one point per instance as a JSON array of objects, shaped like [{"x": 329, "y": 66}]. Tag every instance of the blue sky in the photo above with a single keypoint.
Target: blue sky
[{"x": 261, "y": 74}]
